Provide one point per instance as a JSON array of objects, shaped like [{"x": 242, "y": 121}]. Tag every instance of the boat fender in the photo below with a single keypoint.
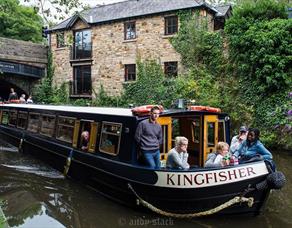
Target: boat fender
[
  {"x": 275, "y": 180},
  {"x": 68, "y": 163},
  {"x": 145, "y": 110},
  {"x": 203, "y": 108},
  {"x": 20, "y": 145}
]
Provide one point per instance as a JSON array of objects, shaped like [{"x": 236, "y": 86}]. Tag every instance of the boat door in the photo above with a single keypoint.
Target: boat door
[
  {"x": 210, "y": 135},
  {"x": 165, "y": 123}
]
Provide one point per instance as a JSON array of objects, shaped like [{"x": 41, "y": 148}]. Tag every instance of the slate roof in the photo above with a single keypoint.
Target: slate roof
[
  {"x": 132, "y": 8},
  {"x": 222, "y": 10}
]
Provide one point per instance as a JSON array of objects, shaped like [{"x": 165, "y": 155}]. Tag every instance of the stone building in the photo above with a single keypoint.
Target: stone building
[{"x": 100, "y": 46}]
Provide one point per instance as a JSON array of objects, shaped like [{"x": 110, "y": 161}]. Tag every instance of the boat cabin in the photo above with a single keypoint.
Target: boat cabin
[{"x": 111, "y": 130}]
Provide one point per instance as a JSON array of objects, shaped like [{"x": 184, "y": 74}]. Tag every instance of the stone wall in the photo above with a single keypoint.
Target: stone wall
[
  {"x": 111, "y": 52},
  {"x": 23, "y": 52}
]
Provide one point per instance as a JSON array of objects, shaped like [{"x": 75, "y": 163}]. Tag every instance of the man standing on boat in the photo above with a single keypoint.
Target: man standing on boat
[{"x": 149, "y": 138}]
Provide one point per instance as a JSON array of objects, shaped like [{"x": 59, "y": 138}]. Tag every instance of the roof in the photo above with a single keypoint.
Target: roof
[
  {"x": 222, "y": 10},
  {"x": 78, "y": 109},
  {"x": 131, "y": 8}
]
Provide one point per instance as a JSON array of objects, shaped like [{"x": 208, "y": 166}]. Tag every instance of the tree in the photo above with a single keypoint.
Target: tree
[
  {"x": 19, "y": 22},
  {"x": 57, "y": 9}
]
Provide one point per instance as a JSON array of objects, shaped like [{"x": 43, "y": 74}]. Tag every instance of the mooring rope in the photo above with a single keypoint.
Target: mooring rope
[{"x": 236, "y": 199}]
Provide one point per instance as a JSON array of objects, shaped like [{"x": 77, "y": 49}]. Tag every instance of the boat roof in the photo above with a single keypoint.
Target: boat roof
[
  {"x": 78, "y": 109},
  {"x": 99, "y": 110}
]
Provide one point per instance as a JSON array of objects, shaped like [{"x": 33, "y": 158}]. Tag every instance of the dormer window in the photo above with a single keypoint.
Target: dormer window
[{"x": 130, "y": 30}]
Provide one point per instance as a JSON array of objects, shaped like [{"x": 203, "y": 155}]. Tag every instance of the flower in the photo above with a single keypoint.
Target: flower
[{"x": 289, "y": 113}]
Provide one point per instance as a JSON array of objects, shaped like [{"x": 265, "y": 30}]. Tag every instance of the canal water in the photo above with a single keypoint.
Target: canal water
[{"x": 34, "y": 195}]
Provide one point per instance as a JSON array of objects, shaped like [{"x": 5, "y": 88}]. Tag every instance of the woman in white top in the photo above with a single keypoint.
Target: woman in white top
[{"x": 177, "y": 157}]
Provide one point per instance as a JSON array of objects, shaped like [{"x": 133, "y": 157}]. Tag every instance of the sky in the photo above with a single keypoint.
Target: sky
[{"x": 91, "y": 3}]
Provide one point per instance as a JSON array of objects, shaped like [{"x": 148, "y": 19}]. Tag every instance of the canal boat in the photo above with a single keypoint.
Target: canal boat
[{"x": 111, "y": 163}]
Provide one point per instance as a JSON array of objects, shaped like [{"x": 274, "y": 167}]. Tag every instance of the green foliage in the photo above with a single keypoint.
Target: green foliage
[
  {"x": 260, "y": 34},
  {"x": 260, "y": 48},
  {"x": 19, "y": 22},
  {"x": 103, "y": 99}
]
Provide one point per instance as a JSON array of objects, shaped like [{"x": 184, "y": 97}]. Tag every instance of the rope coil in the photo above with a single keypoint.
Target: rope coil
[{"x": 235, "y": 200}]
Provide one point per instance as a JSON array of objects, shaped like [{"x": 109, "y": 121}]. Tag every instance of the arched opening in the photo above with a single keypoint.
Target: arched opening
[{"x": 5, "y": 89}]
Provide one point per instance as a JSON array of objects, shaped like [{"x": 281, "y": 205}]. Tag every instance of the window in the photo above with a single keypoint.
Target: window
[
  {"x": 130, "y": 30},
  {"x": 65, "y": 129},
  {"x": 60, "y": 40},
  {"x": 110, "y": 138},
  {"x": 82, "y": 45},
  {"x": 170, "y": 69},
  {"x": 211, "y": 133},
  {"x": 22, "y": 120},
  {"x": 221, "y": 131},
  {"x": 33, "y": 122},
  {"x": 5, "y": 117},
  {"x": 12, "y": 117},
  {"x": 47, "y": 125},
  {"x": 171, "y": 24},
  {"x": 130, "y": 72},
  {"x": 82, "y": 80}
]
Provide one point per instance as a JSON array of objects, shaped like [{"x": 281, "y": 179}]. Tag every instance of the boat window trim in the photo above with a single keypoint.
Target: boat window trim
[
  {"x": 7, "y": 119},
  {"x": 58, "y": 125},
  {"x": 38, "y": 125},
  {"x": 103, "y": 123},
  {"x": 18, "y": 118},
  {"x": 12, "y": 111},
  {"x": 41, "y": 124}
]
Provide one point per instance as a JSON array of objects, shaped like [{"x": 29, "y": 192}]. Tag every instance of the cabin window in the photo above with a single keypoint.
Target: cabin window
[
  {"x": 130, "y": 72},
  {"x": 171, "y": 25},
  {"x": 170, "y": 69},
  {"x": 110, "y": 138},
  {"x": 33, "y": 122},
  {"x": 211, "y": 134},
  {"x": 196, "y": 131},
  {"x": 22, "y": 120},
  {"x": 84, "y": 135},
  {"x": 13, "y": 118},
  {"x": 221, "y": 131},
  {"x": 130, "y": 30},
  {"x": 48, "y": 125},
  {"x": 4, "y": 117},
  {"x": 65, "y": 129}
]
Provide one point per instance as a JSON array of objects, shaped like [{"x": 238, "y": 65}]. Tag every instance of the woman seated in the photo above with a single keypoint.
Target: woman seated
[
  {"x": 177, "y": 157},
  {"x": 84, "y": 140},
  {"x": 252, "y": 148},
  {"x": 218, "y": 158}
]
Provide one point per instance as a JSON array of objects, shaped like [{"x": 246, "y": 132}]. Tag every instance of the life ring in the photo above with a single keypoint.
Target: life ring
[
  {"x": 14, "y": 101},
  {"x": 203, "y": 108},
  {"x": 145, "y": 110}
]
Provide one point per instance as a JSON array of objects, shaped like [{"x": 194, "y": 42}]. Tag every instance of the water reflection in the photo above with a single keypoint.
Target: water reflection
[{"x": 34, "y": 195}]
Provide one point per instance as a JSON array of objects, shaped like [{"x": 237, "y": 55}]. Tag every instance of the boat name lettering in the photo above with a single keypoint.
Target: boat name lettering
[{"x": 209, "y": 178}]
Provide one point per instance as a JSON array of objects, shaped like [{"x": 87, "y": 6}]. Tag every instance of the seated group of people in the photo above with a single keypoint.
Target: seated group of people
[{"x": 246, "y": 146}]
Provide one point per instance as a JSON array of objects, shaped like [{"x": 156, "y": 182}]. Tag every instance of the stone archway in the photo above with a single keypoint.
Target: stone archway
[{"x": 5, "y": 89}]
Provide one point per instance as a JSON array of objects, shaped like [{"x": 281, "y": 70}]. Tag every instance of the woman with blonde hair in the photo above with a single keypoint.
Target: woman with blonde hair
[{"x": 218, "y": 158}]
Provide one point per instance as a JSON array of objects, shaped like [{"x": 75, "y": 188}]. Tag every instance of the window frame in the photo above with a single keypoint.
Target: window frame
[
  {"x": 60, "y": 124},
  {"x": 132, "y": 34},
  {"x": 60, "y": 39},
  {"x": 128, "y": 76},
  {"x": 28, "y": 122},
  {"x": 170, "y": 25},
  {"x": 7, "y": 116},
  {"x": 54, "y": 127},
  {"x": 14, "y": 111},
  {"x": 18, "y": 119},
  {"x": 119, "y": 135},
  {"x": 168, "y": 73},
  {"x": 75, "y": 81}
]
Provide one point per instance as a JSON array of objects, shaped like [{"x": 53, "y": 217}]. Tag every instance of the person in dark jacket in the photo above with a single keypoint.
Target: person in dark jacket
[
  {"x": 12, "y": 95},
  {"x": 149, "y": 138}
]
